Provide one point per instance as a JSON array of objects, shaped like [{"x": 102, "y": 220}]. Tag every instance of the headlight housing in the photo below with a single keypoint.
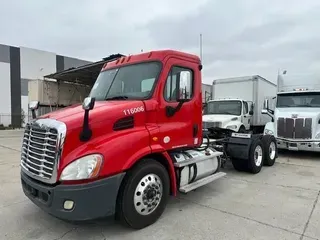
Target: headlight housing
[
  {"x": 268, "y": 132},
  {"x": 232, "y": 127},
  {"x": 83, "y": 168}
]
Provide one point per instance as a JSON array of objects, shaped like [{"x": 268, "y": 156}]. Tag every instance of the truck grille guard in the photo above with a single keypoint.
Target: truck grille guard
[{"x": 41, "y": 149}]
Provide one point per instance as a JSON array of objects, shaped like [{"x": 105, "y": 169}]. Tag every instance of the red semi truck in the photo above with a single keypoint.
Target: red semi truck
[{"x": 136, "y": 140}]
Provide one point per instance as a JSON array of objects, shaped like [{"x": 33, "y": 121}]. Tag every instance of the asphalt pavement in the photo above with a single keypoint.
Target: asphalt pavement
[{"x": 281, "y": 202}]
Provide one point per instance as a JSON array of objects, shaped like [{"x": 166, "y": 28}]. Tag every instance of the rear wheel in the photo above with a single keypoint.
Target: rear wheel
[
  {"x": 256, "y": 156},
  {"x": 270, "y": 150},
  {"x": 144, "y": 194}
]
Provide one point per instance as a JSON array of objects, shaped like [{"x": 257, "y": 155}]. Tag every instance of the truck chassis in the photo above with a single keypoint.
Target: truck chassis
[{"x": 247, "y": 152}]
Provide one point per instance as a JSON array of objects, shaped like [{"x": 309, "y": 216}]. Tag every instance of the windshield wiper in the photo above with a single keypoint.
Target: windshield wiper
[{"x": 117, "y": 98}]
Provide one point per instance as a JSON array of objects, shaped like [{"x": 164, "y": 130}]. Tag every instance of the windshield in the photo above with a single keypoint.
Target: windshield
[
  {"x": 127, "y": 82},
  {"x": 223, "y": 107},
  {"x": 298, "y": 100}
]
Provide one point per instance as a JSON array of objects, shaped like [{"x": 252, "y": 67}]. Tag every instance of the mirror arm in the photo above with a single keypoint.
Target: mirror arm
[
  {"x": 172, "y": 110},
  {"x": 86, "y": 132},
  {"x": 270, "y": 111},
  {"x": 34, "y": 115}
]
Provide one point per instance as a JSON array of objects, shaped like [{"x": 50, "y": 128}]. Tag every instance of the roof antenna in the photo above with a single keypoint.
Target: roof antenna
[{"x": 201, "y": 47}]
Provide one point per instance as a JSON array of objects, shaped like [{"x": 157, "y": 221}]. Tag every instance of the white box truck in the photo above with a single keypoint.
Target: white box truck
[{"x": 237, "y": 103}]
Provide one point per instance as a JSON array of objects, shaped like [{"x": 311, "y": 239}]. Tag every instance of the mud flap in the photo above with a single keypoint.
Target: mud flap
[{"x": 238, "y": 145}]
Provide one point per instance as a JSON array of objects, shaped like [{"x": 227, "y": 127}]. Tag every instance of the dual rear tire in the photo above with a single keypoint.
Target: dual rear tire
[{"x": 263, "y": 151}]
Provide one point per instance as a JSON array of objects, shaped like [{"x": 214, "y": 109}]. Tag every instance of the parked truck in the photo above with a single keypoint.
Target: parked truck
[
  {"x": 237, "y": 104},
  {"x": 295, "y": 120},
  {"x": 130, "y": 146}
]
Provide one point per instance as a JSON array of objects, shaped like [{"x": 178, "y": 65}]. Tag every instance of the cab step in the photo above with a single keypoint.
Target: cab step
[
  {"x": 201, "y": 182},
  {"x": 196, "y": 159}
]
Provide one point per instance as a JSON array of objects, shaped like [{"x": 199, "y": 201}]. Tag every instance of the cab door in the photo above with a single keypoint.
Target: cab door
[
  {"x": 180, "y": 121},
  {"x": 247, "y": 114}
]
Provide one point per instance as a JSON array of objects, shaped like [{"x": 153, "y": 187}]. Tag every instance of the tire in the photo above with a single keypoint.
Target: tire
[
  {"x": 242, "y": 129},
  {"x": 256, "y": 156},
  {"x": 239, "y": 164},
  {"x": 148, "y": 179},
  {"x": 270, "y": 150}
]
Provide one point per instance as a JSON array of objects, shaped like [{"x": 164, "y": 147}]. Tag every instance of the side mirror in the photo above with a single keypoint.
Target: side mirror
[
  {"x": 34, "y": 105},
  {"x": 88, "y": 103},
  {"x": 266, "y": 104},
  {"x": 184, "y": 86},
  {"x": 251, "y": 112}
]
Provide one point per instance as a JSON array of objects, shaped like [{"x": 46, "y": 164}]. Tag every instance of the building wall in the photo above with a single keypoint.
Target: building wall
[
  {"x": 17, "y": 67},
  {"x": 36, "y": 63},
  {"x": 5, "y": 81},
  {"x": 5, "y": 94},
  {"x": 73, "y": 62}
]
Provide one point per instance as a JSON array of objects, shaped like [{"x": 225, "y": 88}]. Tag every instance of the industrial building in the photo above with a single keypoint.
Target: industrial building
[{"x": 18, "y": 66}]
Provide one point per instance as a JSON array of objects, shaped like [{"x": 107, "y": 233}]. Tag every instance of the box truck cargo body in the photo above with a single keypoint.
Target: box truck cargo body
[{"x": 249, "y": 88}]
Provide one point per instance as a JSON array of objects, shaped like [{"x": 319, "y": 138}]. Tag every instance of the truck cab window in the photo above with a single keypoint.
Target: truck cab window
[
  {"x": 225, "y": 107},
  {"x": 128, "y": 82},
  {"x": 303, "y": 99},
  {"x": 245, "y": 108},
  {"x": 181, "y": 78}
]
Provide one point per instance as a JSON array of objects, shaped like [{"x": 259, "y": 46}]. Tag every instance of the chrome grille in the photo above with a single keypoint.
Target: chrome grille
[
  {"x": 211, "y": 124},
  {"x": 41, "y": 148},
  {"x": 295, "y": 128}
]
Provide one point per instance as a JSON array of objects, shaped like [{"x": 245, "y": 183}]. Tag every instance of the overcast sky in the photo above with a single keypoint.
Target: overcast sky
[{"x": 240, "y": 37}]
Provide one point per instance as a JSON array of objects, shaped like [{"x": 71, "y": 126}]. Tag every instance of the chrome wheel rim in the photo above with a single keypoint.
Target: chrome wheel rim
[
  {"x": 258, "y": 155},
  {"x": 148, "y": 193},
  {"x": 272, "y": 150}
]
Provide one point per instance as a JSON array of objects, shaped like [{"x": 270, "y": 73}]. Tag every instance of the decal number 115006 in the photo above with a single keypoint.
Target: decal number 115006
[{"x": 130, "y": 111}]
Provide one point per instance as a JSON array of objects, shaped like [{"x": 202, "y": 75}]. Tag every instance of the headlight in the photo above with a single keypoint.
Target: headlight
[
  {"x": 268, "y": 132},
  {"x": 83, "y": 168},
  {"x": 318, "y": 136},
  {"x": 233, "y": 127}
]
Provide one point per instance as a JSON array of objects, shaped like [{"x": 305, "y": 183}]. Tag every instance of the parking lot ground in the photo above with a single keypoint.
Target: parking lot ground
[{"x": 281, "y": 202}]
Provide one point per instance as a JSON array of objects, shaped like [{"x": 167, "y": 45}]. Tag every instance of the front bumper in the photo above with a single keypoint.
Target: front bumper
[
  {"x": 298, "y": 146},
  {"x": 91, "y": 200}
]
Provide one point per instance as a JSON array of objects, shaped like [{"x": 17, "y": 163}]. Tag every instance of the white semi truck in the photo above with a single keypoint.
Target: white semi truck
[
  {"x": 237, "y": 104},
  {"x": 295, "y": 120}
]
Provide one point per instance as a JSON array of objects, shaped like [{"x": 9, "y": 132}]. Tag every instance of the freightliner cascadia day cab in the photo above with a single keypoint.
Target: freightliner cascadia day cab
[
  {"x": 136, "y": 140},
  {"x": 237, "y": 103},
  {"x": 295, "y": 120}
]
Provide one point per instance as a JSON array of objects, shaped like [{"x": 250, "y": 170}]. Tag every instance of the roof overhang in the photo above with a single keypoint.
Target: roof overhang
[{"x": 85, "y": 74}]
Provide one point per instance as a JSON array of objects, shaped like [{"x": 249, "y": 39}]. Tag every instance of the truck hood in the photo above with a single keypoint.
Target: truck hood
[
  {"x": 298, "y": 112},
  {"x": 218, "y": 118},
  {"x": 73, "y": 115}
]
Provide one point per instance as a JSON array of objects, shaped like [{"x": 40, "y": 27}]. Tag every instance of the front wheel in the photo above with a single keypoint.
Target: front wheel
[{"x": 144, "y": 194}]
